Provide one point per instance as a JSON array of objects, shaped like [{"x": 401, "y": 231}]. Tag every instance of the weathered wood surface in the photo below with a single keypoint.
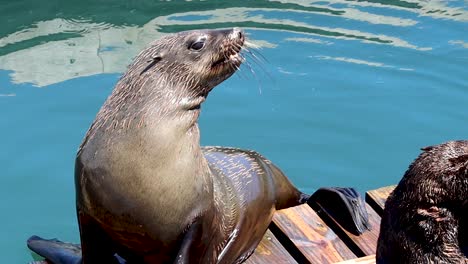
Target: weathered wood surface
[
  {"x": 270, "y": 250},
  {"x": 301, "y": 235},
  {"x": 364, "y": 260},
  {"x": 361, "y": 245},
  {"x": 317, "y": 243},
  {"x": 376, "y": 198},
  {"x": 311, "y": 238}
]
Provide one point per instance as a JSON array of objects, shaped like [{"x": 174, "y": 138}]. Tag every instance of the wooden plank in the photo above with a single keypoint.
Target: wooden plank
[
  {"x": 270, "y": 250},
  {"x": 307, "y": 237},
  {"x": 363, "y": 244},
  {"x": 364, "y": 260},
  {"x": 376, "y": 198}
]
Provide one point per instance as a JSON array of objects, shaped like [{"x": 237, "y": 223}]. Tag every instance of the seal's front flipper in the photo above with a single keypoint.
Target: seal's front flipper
[
  {"x": 344, "y": 205},
  {"x": 55, "y": 250},
  {"x": 190, "y": 250}
]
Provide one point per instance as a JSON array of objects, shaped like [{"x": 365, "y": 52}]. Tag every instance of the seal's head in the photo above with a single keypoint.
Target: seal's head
[
  {"x": 175, "y": 73},
  {"x": 171, "y": 78},
  {"x": 167, "y": 82},
  {"x": 199, "y": 59}
]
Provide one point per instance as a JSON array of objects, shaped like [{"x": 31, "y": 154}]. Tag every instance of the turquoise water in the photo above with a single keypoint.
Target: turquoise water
[{"x": 349, "y": 93}]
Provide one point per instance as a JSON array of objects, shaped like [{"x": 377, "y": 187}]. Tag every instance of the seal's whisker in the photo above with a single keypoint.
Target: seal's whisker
[
  {"x": 249, "y": 66},
  {"x": 240, "y": 73},
  {"x": 249, "y": 44},
  {"x": 260, "y": 64},
  {"x": 254, "y": 50},
  {"x": 237, "y": 67},
  {"x": 259, "y": 58},
  {"x": 255, "y": 59}
]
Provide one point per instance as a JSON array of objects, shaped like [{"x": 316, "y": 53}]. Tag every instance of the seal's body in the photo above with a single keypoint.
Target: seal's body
[
  {"x": 424, "y": 218},
  {"x": 145, "y": 188}
]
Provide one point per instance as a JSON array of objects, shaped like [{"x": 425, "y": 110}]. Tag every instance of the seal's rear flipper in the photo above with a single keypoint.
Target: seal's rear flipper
[
  {"x": 55, "y": 250},
  {"x": 344, "y": 205},
  {"x": 58, "y": 252}
]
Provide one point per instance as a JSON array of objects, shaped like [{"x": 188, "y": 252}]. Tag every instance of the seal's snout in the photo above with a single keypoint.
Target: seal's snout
[
  {"x": 237, "y": 33},
  {"x": 229, "y": 58},
  {"x": 237, "y": 38}
]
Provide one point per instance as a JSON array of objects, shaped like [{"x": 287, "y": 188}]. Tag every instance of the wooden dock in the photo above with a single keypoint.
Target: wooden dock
[{"x": 303, "y": 235}]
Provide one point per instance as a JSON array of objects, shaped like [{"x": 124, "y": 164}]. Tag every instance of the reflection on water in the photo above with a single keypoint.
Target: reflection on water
[
  {"x": 52, "y": 50},
  {"x": 459, "y": 42},
  {"x": 97, "y": 49},
  {"x": 357, "y": 61}
]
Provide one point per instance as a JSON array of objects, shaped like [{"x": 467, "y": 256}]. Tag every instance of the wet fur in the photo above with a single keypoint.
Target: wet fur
[{"x": 423, "y": 219}]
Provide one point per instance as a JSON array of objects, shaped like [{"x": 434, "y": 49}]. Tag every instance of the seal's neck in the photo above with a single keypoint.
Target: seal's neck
[
  {"x": 158, "y": 116},
  {"x": 140, "y": 102}
]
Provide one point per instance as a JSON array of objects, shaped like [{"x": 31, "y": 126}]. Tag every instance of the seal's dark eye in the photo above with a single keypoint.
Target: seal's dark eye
[{"x": 197, "y": 45}]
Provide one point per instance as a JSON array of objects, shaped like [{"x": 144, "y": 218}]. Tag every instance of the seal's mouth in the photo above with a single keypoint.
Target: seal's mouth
[
  {"x": 230, "y": 56},
  {"x": 233, "y": 59}
]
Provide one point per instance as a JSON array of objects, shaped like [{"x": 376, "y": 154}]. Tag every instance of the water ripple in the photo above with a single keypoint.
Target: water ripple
[{"x": 63, "y": 48}]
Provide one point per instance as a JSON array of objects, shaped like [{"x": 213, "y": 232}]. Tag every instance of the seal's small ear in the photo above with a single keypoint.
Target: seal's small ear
[
  {"x": 428, "y": 148},
  {"x": 151, "y": 62}
]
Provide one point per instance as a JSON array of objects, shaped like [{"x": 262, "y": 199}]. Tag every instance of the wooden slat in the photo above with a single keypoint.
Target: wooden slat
[
  {"x": 307, "y": 237},
  {"x": 270, "y": 250},
  {"x": 362, "y": 245},
  {"x": 376, "y": 198},
  {"x": 364, "y": 260}
]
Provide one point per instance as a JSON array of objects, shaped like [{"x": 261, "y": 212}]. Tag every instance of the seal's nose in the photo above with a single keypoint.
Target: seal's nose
[{"x": 237, "y": 33}]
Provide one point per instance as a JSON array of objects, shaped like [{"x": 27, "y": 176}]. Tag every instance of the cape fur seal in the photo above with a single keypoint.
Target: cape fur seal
[
  {"x": 425, "y": 218},
  {"x": 146, "y": 190}
]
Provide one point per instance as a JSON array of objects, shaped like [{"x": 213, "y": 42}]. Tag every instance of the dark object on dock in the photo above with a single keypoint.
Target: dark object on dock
[
  {"x": 345, "y": 205},
  {"x": 312, "y": 236}
]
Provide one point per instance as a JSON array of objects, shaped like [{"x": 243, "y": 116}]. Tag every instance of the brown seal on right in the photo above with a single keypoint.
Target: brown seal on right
[{"x": 425, "y": 218}]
